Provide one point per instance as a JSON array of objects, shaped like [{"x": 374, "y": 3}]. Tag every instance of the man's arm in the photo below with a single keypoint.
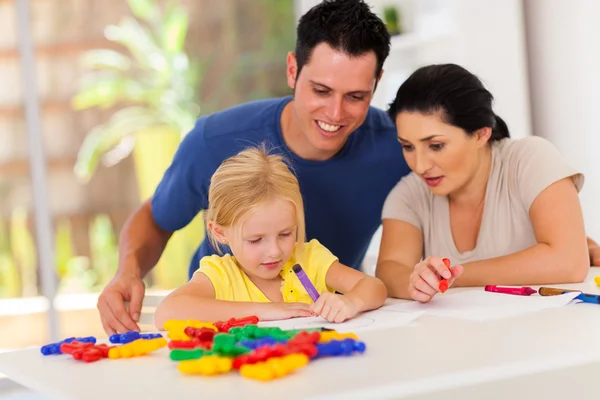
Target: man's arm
[
  {"x": 179, "y": 197},
  {"x": 141, "y": 244}
]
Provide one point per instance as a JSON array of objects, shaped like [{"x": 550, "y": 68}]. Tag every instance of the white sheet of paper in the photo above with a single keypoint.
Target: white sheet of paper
[
  {"x": 481, "y": 306},
  {"x": 371, "y": 320}
]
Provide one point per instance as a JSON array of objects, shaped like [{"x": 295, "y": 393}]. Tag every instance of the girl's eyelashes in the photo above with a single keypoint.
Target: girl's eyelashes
[{"x": 254, "y": 241}]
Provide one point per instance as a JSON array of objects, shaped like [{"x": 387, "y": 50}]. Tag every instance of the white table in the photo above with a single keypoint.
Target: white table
[{"x": 555, "y": 353}]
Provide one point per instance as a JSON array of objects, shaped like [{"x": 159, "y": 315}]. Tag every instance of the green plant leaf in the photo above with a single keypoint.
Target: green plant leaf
[
  {"x": 23, "y": 250},
  {"x": 125, "y": 122},
  {"x": 106, "y": 92},
  {"x": 154, "y": 75},
  {"x": 103, "y": 248},
  {"x": 105, "y": 59},
  {"x": 139, "y": 41},
  {"x": 175, "y": 30},
  {"x": 64, "y": 247},
  {"x": 10, "y": 282},
  {"x": 146, "y": 10}
]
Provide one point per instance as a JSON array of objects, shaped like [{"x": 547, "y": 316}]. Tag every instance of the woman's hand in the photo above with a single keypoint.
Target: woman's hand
[{"x": 425, "y": 279}]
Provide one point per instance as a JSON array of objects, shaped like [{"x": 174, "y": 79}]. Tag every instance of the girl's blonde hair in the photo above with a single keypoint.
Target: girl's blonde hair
[{"x": 245, "y": 182}]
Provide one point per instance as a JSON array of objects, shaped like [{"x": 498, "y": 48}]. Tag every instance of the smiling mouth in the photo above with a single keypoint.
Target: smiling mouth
[{"x": 328, "y": 129}]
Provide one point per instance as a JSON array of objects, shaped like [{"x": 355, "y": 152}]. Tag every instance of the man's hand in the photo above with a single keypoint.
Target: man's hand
[{"x": 111, "y": 303}]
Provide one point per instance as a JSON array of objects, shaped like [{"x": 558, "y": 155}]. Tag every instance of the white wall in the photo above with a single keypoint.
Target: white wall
[
  {"x": 491, "y": 43},
  {"x": 564, "y": 59}
]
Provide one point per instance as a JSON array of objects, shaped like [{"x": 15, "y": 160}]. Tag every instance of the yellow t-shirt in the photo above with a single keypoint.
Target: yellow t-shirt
[{"x": 231, "y": 282}]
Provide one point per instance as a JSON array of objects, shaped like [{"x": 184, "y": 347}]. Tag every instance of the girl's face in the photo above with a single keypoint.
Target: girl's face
[
  {"x": 443, "y": 155},
  {"x": 265, "y": 239}
]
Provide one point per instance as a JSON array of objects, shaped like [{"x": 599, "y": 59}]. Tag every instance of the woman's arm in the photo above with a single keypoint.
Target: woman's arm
[
  {"x": 196, "y": 300},
  {"x": 401, "y": 249},
  {"x": 560, "y": 255}
]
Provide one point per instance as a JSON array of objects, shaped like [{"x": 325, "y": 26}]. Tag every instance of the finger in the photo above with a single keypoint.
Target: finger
[
  {"x": 456, "y": 271},
  {"x": 424, "y": 287},
  {"x": 438, "y": 266},
  {"x": 345, "y": 315},
  {"x": 135, "y": 304},
  {"x": 317, "y": 308},
  {"x": 102, "y": 306},
  {"x": 430, "y": 278},
  {"x": 333, "y": 313},
  {"x": 109, "y": 331},
  {"x": 419, "y": 296},
  {"x": 113, "y": 323},
  {"x": 340, "y": 317},
  {"x": 423, "y": 265},
  {"x": 116, "y": 305},
  {"x": 325, "y": 311}
]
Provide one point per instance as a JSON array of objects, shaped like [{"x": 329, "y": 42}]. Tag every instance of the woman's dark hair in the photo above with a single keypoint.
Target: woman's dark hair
[
  {"x": 348, "y": 26},
  {"x": 455, "y": 93}
]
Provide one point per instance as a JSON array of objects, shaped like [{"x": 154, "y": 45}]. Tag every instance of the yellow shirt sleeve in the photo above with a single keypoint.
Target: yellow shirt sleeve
[
  {"x": 213, "y": 267},
  {"x": 318, "y": 259}
]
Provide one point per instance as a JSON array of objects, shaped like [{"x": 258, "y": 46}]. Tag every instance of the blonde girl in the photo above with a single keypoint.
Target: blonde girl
[{"x": 256, "y": 209}]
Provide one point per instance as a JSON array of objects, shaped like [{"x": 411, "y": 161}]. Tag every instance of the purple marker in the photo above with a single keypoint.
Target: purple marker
[{"x": 310, "y": 288}]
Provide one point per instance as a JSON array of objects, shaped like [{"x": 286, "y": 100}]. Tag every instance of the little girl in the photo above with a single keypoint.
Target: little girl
[{"x": 255, "y": 208}]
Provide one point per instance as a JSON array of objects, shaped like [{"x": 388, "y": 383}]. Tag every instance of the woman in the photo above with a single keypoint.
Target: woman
[{"x": 505, "y": 212}]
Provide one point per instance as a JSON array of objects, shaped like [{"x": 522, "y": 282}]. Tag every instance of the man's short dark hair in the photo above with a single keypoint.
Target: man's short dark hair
[{"x": 348, "y": 26}]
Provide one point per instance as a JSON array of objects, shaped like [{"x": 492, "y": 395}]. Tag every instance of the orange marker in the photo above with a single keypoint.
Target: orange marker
[{"x": 444, "y": 282}]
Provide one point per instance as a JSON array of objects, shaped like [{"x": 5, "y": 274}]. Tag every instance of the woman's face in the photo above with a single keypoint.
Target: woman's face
[{"x": 443, "y": 155}]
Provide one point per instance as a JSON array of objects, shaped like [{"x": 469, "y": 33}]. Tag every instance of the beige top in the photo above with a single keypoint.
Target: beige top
[{"x": 521, "y": 170}]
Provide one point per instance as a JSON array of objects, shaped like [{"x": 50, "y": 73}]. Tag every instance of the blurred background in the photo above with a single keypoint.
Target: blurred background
[{"x": 95, "y": 97}]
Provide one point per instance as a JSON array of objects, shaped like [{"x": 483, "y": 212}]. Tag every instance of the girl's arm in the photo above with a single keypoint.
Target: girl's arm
[
  {"x": 560, "y": 255},
  {"x": 401, "y": 249},
  {"x": 594, "y": 252},
  {"x": 196, "y": 300},
  {"x": 364, "y": 291}
]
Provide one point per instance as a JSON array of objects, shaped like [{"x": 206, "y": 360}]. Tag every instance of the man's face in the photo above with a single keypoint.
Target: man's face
[{"x": 331, "y": 99}]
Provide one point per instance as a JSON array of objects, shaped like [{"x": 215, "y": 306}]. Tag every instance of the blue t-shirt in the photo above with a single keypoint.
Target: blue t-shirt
[{"x": 343, "y": 196}]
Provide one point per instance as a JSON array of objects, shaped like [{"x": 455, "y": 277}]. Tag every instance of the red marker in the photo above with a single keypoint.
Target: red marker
[
  {"x": 521, "y": 291},
  {"x": 444, "y": 282}
]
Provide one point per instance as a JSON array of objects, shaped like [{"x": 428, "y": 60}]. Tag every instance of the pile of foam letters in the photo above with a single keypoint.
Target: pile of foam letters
[{"x": 207, "y": 348}]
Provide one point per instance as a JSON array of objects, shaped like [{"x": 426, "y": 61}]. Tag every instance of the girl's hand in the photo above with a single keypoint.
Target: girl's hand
[
  {"x": 425, "y": 279},
  {"x": 276, "y": 311},
  {"x": 335, "y": 307}
]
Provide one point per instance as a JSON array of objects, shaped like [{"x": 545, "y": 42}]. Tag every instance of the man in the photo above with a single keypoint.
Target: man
[{"x": 344, "y": 153}]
